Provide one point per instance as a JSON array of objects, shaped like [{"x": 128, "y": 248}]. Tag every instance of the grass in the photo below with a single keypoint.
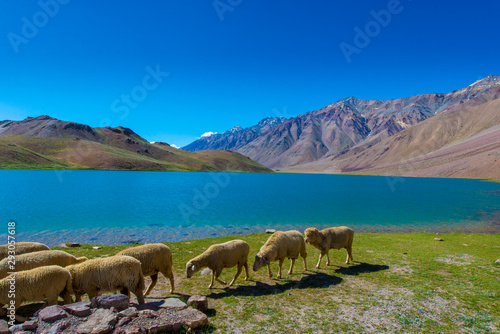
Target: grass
[{"x": 399, "y": 283}]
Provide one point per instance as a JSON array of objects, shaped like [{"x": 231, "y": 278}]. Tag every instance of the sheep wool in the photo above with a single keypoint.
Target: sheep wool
[
  {"x": 219, "y": 256},
  {"x": 38, "y": 259},
  {"x": 37, "y": 284},
  {"x": 330, "y": 238},
  {"x": 155, "y": 258},
  {"x": 279, "y": 246},
  {"x": 109, "y": 274},
  {"x": 21, "y": 248}
]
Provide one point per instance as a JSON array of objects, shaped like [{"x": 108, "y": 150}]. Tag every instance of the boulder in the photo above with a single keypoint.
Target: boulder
[
  {"x": 100, "y": 322},
  {"x": 118, "y": 302},
  {"x": 198, "y": 302},
  {"x": 193, "y": 318},
  {"x": 80, "y": 309},
  {"x": 52, "y": 313}
]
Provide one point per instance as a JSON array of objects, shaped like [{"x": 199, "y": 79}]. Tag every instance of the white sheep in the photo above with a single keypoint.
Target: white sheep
[
  {"x": 330, "y": 238},
  {"x": 37, "y": 259},
  {"x": 220, "y": 256},
  {"x": 154, "y": 258},
  {"x": 279, "y": 246},
  {"x": 37, "y": 284},
  {"x": 21, "y": 248},
  {"x": 109, "y": 274}
]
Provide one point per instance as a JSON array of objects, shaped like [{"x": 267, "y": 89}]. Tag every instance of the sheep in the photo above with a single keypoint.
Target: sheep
[
  {"x": 220, "y": 256},
  {"x": 21, "y": 248},
  {"x": 279, "y": 246},
  {"x": 330, "y": 238},
  {"x": 37, "y": 284},
  {"x": 37, "y": 259},
  {"x": 122, "y": 273},
  {"x": 154, "y": 258}
]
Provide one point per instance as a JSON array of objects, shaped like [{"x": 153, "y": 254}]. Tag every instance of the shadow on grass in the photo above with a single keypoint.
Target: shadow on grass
[
  {"x": 308, "y": 280},
  {"x": 360, "y": 268}
]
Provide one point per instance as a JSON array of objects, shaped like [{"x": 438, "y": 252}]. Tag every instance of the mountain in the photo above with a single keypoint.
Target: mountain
[
  {"x": 350, "y": 126},
  {"x": 235, "y": 137},
  {"x": 45, "y": 142}
]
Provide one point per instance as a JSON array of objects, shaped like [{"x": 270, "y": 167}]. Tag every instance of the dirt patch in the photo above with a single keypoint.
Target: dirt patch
[{"x": 459, "y": 260}]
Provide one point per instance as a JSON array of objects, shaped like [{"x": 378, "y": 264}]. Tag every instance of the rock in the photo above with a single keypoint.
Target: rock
[
  {"x": 96, "y": 247},
  {"x": 148, "y": 314},
  {"x": 4, "y": 327},
  {"x": 52, "y": 313},
  {"x": 193, "y": 318},
  {"x": 465, "y": 245},
  {"x": 80, "y": 309},
  {"x": 123, "y": 321},
  {"x": 100, "y": 322},
  {"x": 166, "y": 325},
  {"x": 73, "y": 244},
  {"x": 131, "y": 312},
  {"x": 270, "y": 230},
  {"x": 173, "y": 303},
  {"x": 15, "y": 329},
  {"x": 119, "y": 302},
  {"x": 497, "y": 261},
  {"x": 30, "y": 325},
  {"x": 58, "y": 328},
  {"x": 198, "y": 302},
  {"x": 438, "y": 239},
  {"x": 63, "y": 245}
]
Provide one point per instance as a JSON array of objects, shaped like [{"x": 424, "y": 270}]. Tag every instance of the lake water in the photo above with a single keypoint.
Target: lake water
[{"x": 116, "y": 207}]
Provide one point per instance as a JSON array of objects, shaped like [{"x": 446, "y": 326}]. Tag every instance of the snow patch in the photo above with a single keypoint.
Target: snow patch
[{"x": 208, "y": 134}]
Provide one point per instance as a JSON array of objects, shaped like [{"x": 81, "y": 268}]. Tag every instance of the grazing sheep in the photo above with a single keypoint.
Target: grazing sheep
[
  {"x": 122, "y": 273},
  {"x": 220, "y": 256},
  {"x": 21, "y": 248},
  {"x": 154, "y": 258},
  {"x": 330, "y": 238},
  {"x": 37, "y": 284},
  {"x": 38, "y": 259},
  {"x": 279, "y": 246}
]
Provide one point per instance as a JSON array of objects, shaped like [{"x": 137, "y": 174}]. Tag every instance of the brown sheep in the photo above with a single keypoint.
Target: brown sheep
[
  {"x": 279, "y": 246},
  {"x": 38, "y": 259},
  {"x": 330, "y": 238},
  {"x": 21, "y": 248},
  {"x": 154, "y": 258},
  {"x": 122, "y": 273},
  {"x": 37, "y": 284},
  {"x": 220, "y": 256}
]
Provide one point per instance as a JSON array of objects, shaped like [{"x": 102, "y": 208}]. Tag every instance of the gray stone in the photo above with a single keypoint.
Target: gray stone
[
  {"x": 119, "y": 302},
  {"x": 123, "y": 321},
  {"x": 30, "y": 325},
  {"x": 173, "y": 303},
  {"x": 52, "y": 313},
  {"x": 100, "y": 322},
  {"x": 438, "y": 239},
  {"x": 15, "y": 329},
  {"x": 73, "y": 244},
  {"x": 270, "y": 230},
  {"x": 166, "y": 325},
  {"x": 198, "y": 302},
  {"x": 147, "y": 314},
  {"x": 131, "y": 312},
  {"x": 193, "y": 318},
  {"x": 58, "y": 328},
  {"x": 96, "y": 247},
  {"x": 80, "y": 309},
  {"x": 4, "y": 327},
  {"x": 63, "y": 245}
]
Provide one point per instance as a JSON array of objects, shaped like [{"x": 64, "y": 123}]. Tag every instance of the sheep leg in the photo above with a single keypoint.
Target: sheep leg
[
  {"x": 139, "y": 295},
  {"x": 246, "y": 270},
  {"x": 124, "y": 291},
  {"x": 65, "y": 295},
  {"x": 269, "y": 270},
  {"x": 237, "y": 274},
  {"x": 291, "y": 267},
  {"x": 319, "y": 261},
  {"x": 154, "y": 279},
  {"x": 305, "y": 263},
  {"x": 327, "y": 258},
  {"x": 280, "y": 263},
  {"x": 349, "y": 254},
  {"x": 217, "y": 274},
  {"x": 78, "y": 297},
  {"x": 170, "y": 276}
]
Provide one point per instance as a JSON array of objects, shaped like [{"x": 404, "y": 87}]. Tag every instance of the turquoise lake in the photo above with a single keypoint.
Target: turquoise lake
[{"x": 116, "y": 207}]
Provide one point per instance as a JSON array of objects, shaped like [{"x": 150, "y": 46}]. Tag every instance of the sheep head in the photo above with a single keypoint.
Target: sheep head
[
  {"x": 311, "y": 234},
  {"x": 260, "y": 261},
  {"x": 191, "y": 268}
]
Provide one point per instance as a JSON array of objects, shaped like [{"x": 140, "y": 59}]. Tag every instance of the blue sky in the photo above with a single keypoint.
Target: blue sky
[{"x": 172, "y": 70}]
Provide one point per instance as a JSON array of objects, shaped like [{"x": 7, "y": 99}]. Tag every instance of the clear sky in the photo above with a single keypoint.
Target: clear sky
[{"x": 173, "y": 70}]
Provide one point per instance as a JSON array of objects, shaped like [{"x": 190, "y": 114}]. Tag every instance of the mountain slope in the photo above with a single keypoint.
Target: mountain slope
[
  {"x": 45, "y": 142},
  {"x": 350, "y": 126},
  {"x": 462, "y": 141}
]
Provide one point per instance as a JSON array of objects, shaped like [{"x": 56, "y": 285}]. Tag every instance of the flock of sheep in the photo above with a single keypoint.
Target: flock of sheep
[{"x": 44, "y": 274}]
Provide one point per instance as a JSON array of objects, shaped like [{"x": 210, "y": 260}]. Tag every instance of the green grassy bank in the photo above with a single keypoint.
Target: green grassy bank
[{"x": 402, "y": 283}]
